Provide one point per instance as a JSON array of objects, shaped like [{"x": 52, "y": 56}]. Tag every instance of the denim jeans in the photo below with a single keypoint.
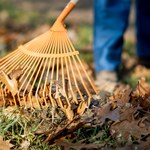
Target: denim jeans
[{"x": 110, "y": 23}]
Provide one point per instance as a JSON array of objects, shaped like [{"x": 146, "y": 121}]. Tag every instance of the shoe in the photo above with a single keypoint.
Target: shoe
[
  {"x": 106, "y": 81},
  {"x": 144, "y": 61},
  {"x": 107, "y": 75}
]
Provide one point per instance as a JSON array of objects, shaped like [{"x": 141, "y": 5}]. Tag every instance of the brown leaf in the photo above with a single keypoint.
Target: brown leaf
[
  {"x": 25, "y": 145},
  {"x": 1, "y": 99},
  {"x": 11, "y": 84},
  {"x": 127, "y": 113},
  {"x": 105, "y": 112},
  {"x": 5, "y": 145},
  {"x": 142, "y": 94},
  {"x": 16, "y": 73},
  {"x": 121, "y": 96},
  {"x": 78, "y": 146},
  {"x": 141, "y": 71},
  {"x": 125, "y": 129},
  {"x": 58, "y": 132},
  {"x": 143, "y": 88},
  {"x": 144, "y": 145}
]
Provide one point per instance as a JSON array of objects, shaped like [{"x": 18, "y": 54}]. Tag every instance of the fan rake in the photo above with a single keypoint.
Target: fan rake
[{"x": 47, "y": 71}]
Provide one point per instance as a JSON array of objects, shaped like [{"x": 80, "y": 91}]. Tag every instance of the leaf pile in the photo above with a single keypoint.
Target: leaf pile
[
  {"x": 126, "y": 115},
  {"x": 124, "y": 121}
]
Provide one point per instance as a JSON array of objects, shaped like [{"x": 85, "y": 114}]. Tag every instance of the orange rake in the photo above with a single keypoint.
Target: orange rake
[{"x": 47, "y": 71}]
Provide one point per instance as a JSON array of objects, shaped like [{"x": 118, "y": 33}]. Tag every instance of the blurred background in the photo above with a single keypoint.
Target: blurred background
[{"x": 21, "y": 21}]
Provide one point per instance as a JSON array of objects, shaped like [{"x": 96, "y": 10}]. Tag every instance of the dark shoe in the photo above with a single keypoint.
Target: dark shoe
[{"x": 144, "y": 61}]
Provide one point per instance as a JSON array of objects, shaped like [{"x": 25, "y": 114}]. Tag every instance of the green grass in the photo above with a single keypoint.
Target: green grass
[
  {"x": 13, "y": 11},
  {"x": 18, "y": 128},
  {"x": 97, "y": 135},
  {"x": 85, "y": 33}
]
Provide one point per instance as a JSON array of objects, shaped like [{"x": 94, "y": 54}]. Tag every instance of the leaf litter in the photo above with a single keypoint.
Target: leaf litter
[
  {"x": 125, "y": 113},
  {"x": 122, "y": 119}
]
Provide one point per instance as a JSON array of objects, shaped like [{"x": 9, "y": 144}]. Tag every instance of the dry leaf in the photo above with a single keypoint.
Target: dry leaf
[
  {"x": 105, "y": 112},
  {"x": 125, "y": 129},
  {"x": 143, "y": 145},
  {"x": 78, "y": 146},
  {"x": 25, "y": 145},
  {"x": 143, "y": 88},
  {"x": 127, "y": 113},
  {"x": 16, "y": 73},
  {"x": 81, "y": 108},
  {"x": 142, "y": 94},
  {"x": 141, "y": 71},
  {"x": 5, "y": 145},
  {"x": 121, "y": 96},
  {"x": 11, "y": 84}
]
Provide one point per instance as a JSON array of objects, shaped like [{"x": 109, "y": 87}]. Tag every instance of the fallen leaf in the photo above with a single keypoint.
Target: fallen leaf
[
  {"x": 141, "y": 96},
  {"x": 16, "y": 73},
  {"x": 121, "y": 96},
  {"x": 143, "y": 88},
  {"x": 144, "y": 145},
  {"x": 11, "y": 84},
  {"x": 78, "y": 146},
  {"x": 5, "y": 145},
  {"x": 141, "y": 71},
  {"x": 105, "y": 112},
  {"x": 125, "y": 130},
  {"x": 127, "y": 114},
  {"x": 25, "y": 145}
]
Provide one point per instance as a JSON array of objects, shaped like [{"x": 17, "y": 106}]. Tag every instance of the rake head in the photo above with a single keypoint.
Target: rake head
[{"x": 47, "y": 71}]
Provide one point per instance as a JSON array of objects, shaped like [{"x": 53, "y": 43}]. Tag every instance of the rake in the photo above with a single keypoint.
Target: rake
[{"x": 47, "y": 71}]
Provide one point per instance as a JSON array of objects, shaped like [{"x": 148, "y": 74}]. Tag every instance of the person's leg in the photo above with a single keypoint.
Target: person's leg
[
  {"x": 110, "y": 22},
  {"x": 143, "y": 31}
]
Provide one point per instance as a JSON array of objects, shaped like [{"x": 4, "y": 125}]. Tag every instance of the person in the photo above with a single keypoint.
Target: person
[{"x": 110, "y": 23}]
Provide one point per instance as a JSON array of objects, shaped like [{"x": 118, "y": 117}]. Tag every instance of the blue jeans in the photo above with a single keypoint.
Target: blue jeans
[{"x": 110, "y": 23}]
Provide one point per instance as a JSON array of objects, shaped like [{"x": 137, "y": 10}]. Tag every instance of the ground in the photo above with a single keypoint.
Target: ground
[{"x": 109, "y": 122}]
